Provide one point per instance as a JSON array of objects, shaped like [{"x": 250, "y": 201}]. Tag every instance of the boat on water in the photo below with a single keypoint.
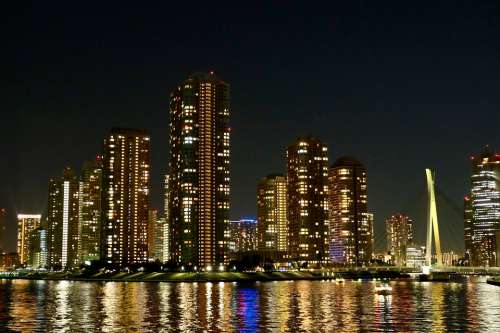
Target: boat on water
[{"x": 383, "y": 289}]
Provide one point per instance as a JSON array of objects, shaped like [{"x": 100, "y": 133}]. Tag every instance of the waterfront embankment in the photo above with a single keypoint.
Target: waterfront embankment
[{"x": 204, "y": 276}]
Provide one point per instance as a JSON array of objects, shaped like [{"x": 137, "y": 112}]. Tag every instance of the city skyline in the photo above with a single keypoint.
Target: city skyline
[
  {"x": 378, "y": 248},
  {"x": 352, "y": 86}
]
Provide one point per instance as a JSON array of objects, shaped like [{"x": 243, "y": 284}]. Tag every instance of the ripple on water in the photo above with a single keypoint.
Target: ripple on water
[{"x": 300, "y": 306}]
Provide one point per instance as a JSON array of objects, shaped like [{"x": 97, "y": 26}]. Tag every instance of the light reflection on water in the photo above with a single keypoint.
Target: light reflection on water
[{"x": 286, "y": 306}]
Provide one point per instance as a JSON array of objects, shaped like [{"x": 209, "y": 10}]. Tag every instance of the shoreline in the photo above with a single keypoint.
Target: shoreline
[
  {"x": 209, "y": 277},
  {"x": 494, "y": 281}
]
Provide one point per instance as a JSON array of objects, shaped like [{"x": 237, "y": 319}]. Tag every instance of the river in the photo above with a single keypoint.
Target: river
[{"x": 470, "y": 305}]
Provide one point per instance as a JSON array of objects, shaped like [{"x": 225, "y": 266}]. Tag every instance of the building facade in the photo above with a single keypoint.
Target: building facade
[
  {"x": 161, "y": 245},
  {"x": 415, "y": 256},
  {"x": 242, "y": 236},
  {"x": 153, "y": 233},
  {"x": 468, "y": 228},
  {"x": 26, "y": 225},
  {"x": 90, "y": 211},
  {"x": 485, "y": 209},
  {"x": 199, "y": 171},
  {"x": 2, "y": 229},
  {"x": 38, "y": 249},
  {"x": 351, "y": 226},
  {"x": 62, "y": 221},
  {"x": 399, "y": 231},
  {"x": 272, "y": 223},
  {"x": 307, "y": 197},
  {"x": 125, "y": 199}
]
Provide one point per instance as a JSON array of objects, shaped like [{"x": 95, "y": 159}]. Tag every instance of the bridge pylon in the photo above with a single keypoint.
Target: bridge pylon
[{"x": 432, "y": 222}]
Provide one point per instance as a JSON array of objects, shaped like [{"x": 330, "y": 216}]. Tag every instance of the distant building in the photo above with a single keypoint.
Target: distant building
[
  {"x": 485, "y": 207},
  {"x": 242, "y": 235},
  {"x": 2, "y": 229},
  {"x": 38, "y": 249},
  {"x": 152, "y": 233},
  {"x": 468, "y": 228},
  {"x": 351, "y": 226},
  {"x": 161, "y": 252},
  {"x": 307, "y": 192},
  {"x": 272, "y": 223},
  {"x": 90, "y": 211},
  {"x": 199, "y": 171},
  {"x": 399, "y": 231},
  {"x": 415, "y": 256},
  {"x": 8, "y": 261},
  {"x": 450, "y": 258},
  {"x": 125, "y": 203},
  {"x": 62, "y": 221},
  {"x": 26, "y": 224},
  {"x": 164, "y": 246}
]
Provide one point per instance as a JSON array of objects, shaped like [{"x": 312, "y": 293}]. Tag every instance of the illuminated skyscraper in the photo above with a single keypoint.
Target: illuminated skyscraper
[
  {"x": 351, "y": 226},
  {"x": 125, "y": 203},
  {"x": 399, "y": 230},
  {"x": 26, "y": 225},
  {"x": 307, "y": 192},
  {"x": 199, "y": 171},
  {"x": 90, "y": 210},
  {"x": 62, "y": 221},
  {"x": 485, "y": 205},
  {"x": 242, "y": 235},
  {"x": 272, "y": 223}
]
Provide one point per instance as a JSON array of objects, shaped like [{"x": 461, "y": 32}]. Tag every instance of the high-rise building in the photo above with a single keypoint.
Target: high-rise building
[
  {"x": 272, "y": 223},
  {"x": 243, "y": 235},
  {"x": 38, "y": 249},
  {"x": 161, "y": 250},
  {"x": 2, "y": 229},
  {"x": 152, "y": 233},
  {"x": 90, "y": 210},
  {"x": 125, "y": 200},
  {"x": 199, "y": 171},
  {"x": 166, "y": 196},
  {"x": 62, "y": 221},
  {"x": 485, "y": 205},
  {"x": 307, "y": 193},
  {"x": 26, "y": 225},
  {"x": 399, "y": 231},
  {"x": 163, "y": 239},
  {"x": 351, "y": 226}
]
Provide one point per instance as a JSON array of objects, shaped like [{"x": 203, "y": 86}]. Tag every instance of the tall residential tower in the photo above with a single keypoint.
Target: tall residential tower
[
  {"x": 485, "y": 209},
  {"x": 125, "y": 200},
  {"x": 199, "y": 171},
  {"x": 351, "y": 226},
  {"x": 26, "y": 226},
  {"x": 272, "y": 223},
  {"x": 399, "y": 231},
  {"x": 307, "y": 192},
  {"x": 90, "y": 210},
  {"x": 62, "y": 221}
]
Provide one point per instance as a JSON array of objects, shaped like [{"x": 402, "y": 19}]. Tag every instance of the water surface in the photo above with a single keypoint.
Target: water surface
[{"x": 285, "y": 306}]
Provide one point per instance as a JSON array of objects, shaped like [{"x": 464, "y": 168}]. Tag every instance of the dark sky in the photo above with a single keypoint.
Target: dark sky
[{"x": 400, "y": 85}]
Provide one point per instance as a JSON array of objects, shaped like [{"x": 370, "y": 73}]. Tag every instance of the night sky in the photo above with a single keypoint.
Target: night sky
[{"x": 401, "y": 86}]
